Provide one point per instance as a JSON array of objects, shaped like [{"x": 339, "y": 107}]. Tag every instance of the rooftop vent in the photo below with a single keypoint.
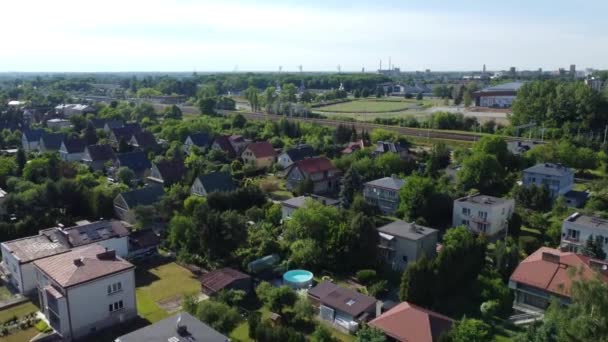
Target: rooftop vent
[
  {"x": 350, "y": 302},
  {"x": 79, "y": 262}
]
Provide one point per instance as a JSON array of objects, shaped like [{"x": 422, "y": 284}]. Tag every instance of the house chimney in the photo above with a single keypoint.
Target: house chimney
[
  {"x": 79, "y": 262},
  {"x": 180, "y": 328},
  {"x": 550, "y": 257}
]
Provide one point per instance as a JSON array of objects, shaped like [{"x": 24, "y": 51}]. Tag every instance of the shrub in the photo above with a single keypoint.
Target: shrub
[
  {"x": 366, "y": 277},
  {"x": 529, "y": 244},
  {"x": 377, "y": 288}
]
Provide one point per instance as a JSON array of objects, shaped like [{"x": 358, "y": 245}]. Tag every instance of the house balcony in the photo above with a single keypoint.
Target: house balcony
[{"x": 570, "y": 239}]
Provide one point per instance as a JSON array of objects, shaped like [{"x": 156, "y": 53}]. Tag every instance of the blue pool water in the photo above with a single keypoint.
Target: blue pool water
[{"x": 298, "y": 278}]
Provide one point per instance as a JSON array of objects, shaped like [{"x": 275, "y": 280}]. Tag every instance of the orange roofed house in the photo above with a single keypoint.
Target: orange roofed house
[
  {"x": 259, "y": 154},
  {"x": 410, "y": 323},
  {"x": 321, "y": 171},
  {"x": 549, "y": 273}
]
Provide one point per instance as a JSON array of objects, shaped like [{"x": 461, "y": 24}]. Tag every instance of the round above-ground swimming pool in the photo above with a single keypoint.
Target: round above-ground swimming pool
[{"x": 298, "y": 279}]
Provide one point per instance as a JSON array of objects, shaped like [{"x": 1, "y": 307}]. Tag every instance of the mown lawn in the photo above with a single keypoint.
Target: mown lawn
[
  {"x": 20, "y": 335},
  {"x": 18, "y": 310},
  {"x": 367, "y": 105},
  {"x": 162, "y": 281}
]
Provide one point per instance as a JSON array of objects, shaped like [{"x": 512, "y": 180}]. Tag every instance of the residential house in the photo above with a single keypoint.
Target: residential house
[
  {"x": 126, "y": 202},
  {"x": 238, "y": 143},
  {"x": 520, "y": 147},
  {"x": 557, "y": 178},
  {"x": 295, "y": 154},
  {"x": 85, "y": 290},
  {"x": 143, "y": 243},
  {"x": 344, "y": 308},
  {"x": 18, "y": 255},
  {"x": 201, "y": 140},
  {"x": 407, "y": 322},
  {"x": 212, "y": 182},
  {"x": 109, "y": 125},
  {"x": 483, "y": 214},
  {"x": 578, "y": 228},
  {"x": 499, "y": 96},
  {"x": 57, "y": 124},
  {"x": 167, "y": 172},
  {"x": 97, "y": 156},
  {"x": 30, "y": 139},
  {"x": 69, "y": 110},
  {"x": 383, "y": 147},
  {"x": 144, "y": 140},
  {"x": 384, "y": 193},
  {"x": 320, "y": 170},
  {"x": 290, "y": 205},
  {"x": 225, "y": 279},
  {"x": 123, "y": 133},
  {"x": 400, "y": 242},
  {"x": 137, "y": 161},
  {"x": 354, "y": 146},
  {"x": 259, "y": 154},
  {"x": 549, "y": 273},
  {"x": 71, "y": 149},
  {"x": 180, "y": 327},
  {"x": 3, "y": 195},
  {"x": 222, "y": 143},
  {"x": 51, "y": 142}
]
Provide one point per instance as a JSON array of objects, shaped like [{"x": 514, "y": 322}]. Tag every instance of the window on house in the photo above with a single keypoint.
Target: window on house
[
  {"x": 116, "y": 306},
  {"x": 465, "y": 222},
  {"x": 113, "y": 288},
  {"x": 482, "y": 214},
  {"x": 466, "y": 211}
]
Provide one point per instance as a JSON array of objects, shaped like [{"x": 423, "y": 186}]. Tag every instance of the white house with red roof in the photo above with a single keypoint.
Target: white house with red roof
[
  {"x": 85, "y": 290},
  {"x": 408, "y": 323},
  {"x": 549, "y": 273},
  {"x": 259, "y": 154},
  {"x": 324, "y": 175}
]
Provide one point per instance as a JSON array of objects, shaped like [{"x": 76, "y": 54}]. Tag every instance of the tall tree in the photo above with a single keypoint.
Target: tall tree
[{"x": 351, "y": 184}]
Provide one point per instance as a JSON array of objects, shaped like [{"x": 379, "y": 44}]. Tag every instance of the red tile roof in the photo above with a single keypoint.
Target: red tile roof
[
  {"x": 82, "y": 265},
  {"x": 409, "y": 323},
  {"x": 261, "y": 149},
  {"x": 218, "y": 280},
  {"x": 547, "y": 269},
  {"x": 315, "y": 165},
  {"x": 224, "y": 144}
]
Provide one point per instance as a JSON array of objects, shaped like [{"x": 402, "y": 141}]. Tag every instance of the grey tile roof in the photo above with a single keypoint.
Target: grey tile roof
[
  {"x": 166, "y": 330},
  {"x": 339, "y": 298},
  {"x": 34, "y": 247},
  {"x": 144, "y": 196},
  {"x": 550, "y": 169},
  {"x": 300, "y": 152},
  {"x": 588, "y": 221},
  {"x": 217, "y": 181},
  {"x": 136, "y": 161},
  {"x": 407, "y": 230},
  {"x": 510, "y": 86},
  {"x": 483, "y": 199},
  {"x": 393, "y": 183}
]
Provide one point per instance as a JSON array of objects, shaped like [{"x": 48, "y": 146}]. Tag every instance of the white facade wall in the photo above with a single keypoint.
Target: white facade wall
[
  {"x": 198, "y": 188},
  {"x": 284, "y": 160},
  {"x": 120, "y": 245},
  {"x": 489, "y": 219},
  {"x": 12, "y": 264},
  {"x": 496, "y": 101},
  {"x": 575, "y": 235}
]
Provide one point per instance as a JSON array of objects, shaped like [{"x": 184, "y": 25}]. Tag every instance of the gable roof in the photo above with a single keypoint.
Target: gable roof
[
  {"x": 144, "y": 139},
  {"x": 145, "y": 196},
  {"x": 393, "y": 183},
  {"x": 88, "y": 233},
  {"x": 112, "y": 123},
  {"x": 143, "y": 238},
  {"x": 52, "y": 141},
  {"x": 34, "y": 134},
  {"x": 171, "y": 170},
  {"x": 218, "y": 280},
  {"x": 387, "y": 146},
  {"x": 126, "y": 131},
  {"x": 261, "y": 149},
  {"x": 100, "y": 152},
  {"x": 407, "y": 230},
  {"x": 82, "y": 265},
  {"x": 136, "y": 160},
  {"x": 314, "y": 165},
  {"x": 217, "y": 181},
  {"x": 410, "y": 323},
  {"x": 223, "y": 142},
  {"x": 339, "y": 298},
  {"x": 300, "y": 152},
  {"x": 548, "y": 269},
  {"x": 354, "y": 146},
  {"x": 550, "y": 169},
  {"x": 74, "y": 145},
  {"x": 166, "y": 330},
  {"x": 200, "y": 139}
]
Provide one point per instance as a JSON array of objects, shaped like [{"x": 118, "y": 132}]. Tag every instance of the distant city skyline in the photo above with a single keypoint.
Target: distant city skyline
[{"x": 233, "y": 35}]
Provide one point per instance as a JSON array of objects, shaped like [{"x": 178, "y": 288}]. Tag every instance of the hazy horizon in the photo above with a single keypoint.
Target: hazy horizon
[{"x": 236, "y": 35}]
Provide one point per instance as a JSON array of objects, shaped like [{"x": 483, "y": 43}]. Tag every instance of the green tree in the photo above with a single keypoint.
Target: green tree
[
  {"x": 370, "y": 334},
  {"x": 219, "y": 316},
  {"x": 470, "y": 330},
  {"x": 351, "y": 184},
  {"x": 418, "y": 283},
  {"x": 21, "y": 160},
  {"x": 482, "y": 172},
  {"x": 173, "y": 112},
  {"x": 306, "y": 253},
  {"x": 288, "y": 93},
  {"x": 322, "y": 334},
  {"x": 303, "y": 310},
  {"x": 125, "y": 175}
]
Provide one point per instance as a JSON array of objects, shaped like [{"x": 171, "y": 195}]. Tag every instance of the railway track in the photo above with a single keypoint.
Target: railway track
[{"x": 407, "y": 131}]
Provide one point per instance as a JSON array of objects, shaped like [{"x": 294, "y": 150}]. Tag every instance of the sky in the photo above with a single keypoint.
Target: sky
[{"x": 319, "y": 35}]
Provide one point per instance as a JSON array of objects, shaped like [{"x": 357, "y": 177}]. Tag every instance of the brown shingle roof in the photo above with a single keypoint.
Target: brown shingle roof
[
  {"x": 224, "y": 144},
  {"x": 82, "y": 265},
  {"x": 339, "y": 298},
  {"x": 406, "y": 322},
  {"x": 34, "y": 247},
  {"x": 261, "y": 149},
  {"x": 547, "y": 269},
  {"x": 315, "y": 165},
  {"x": 218, "y": 280}
]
